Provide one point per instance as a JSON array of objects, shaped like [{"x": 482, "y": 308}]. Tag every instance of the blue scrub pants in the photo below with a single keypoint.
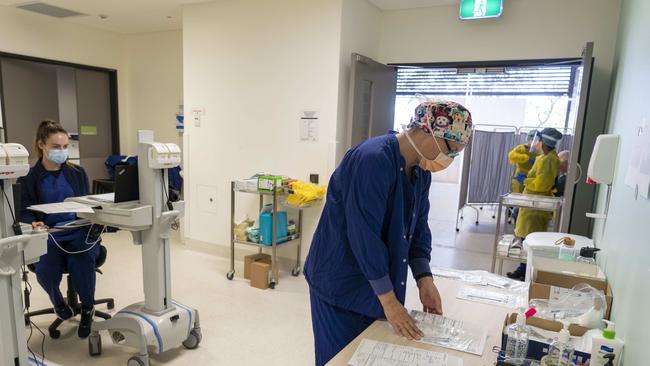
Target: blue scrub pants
[
  {"x": 50, "y": 269},
  {"x": 334, "y": 328}
]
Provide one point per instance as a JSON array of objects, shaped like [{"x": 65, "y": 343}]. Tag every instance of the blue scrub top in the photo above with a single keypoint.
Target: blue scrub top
[
  {"x": 373, "y": 227},
  {"x": 55, "y": 188}
]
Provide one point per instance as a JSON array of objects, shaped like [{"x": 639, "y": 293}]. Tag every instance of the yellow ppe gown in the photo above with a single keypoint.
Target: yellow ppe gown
[
  {"x": 520, "y": 157},
  {"x": 540, "y": 181}
]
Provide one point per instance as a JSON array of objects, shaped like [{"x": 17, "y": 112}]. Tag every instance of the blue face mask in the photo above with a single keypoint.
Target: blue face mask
[{"x": 57, "y": 156}]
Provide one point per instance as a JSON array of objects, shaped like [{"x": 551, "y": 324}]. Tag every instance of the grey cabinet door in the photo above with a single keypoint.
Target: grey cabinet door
[
  {"x": 94, "y": 118},
  {"x": 371, "y": 110},
  {"x": 30, "y": 95}
]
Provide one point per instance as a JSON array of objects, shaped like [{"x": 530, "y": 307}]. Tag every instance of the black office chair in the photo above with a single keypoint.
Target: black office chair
[{"x": 72, "y": 299}]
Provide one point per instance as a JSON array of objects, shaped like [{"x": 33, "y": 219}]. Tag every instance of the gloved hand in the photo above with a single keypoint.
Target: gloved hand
[
  {"x": 520, "y": 178},
  {"x": 531, "y": 161}
]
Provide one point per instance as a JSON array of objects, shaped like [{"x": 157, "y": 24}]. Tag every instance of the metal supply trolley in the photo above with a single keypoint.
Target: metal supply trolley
[
  {"x": 296, "y": 239},
  {"x": 516, "y": 200}
]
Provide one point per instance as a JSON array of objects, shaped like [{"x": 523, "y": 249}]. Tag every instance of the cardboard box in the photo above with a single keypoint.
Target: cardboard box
[
  {"x": 545, "y": 282},
  {"x": 260, "y": 275},
  {"x": 250, "y": 259},
  {"x": 537, "y": 350},
  {"x": 575, "y": 268}
]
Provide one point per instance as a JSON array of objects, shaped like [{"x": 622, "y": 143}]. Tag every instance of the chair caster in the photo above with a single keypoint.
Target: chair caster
[
  {"x": 194, "y": 339},
  {"x": 95, "y": 345},
  {"x": 230, "y": 275},
  {"x": 295, "y": 272},
  {"x": 110, "y": 305},
  {"x": 55, "y": 334},
  {"x": 476, "y": 223},
  {"x": 457, "y": 230},
  {"x": 272, "y": 285}
]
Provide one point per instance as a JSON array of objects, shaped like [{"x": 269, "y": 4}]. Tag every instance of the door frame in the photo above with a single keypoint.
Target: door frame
[{"x": 113, "y": 92}]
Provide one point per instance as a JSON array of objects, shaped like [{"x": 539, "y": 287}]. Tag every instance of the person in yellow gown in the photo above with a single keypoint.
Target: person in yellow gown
[
  {"x": 522, "y": 157},
  {"x": 540, "y": 181}
]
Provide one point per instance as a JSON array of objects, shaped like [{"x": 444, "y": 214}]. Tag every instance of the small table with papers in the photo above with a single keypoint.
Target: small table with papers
[{"x": 492, "y": 316}]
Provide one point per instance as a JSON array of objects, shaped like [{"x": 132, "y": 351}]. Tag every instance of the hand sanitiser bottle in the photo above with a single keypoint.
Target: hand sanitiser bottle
[
  {"x": 518, "y": 334},
  {"x": 606, "y": 349},
  {"x": 561, "y": 351}
]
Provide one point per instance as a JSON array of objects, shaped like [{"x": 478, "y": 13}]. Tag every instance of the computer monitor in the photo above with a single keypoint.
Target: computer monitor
[{"x": 126, "y": 183}]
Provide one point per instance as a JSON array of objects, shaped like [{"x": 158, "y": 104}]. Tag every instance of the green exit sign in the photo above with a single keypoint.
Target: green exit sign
[{"x": 479, "y": 9}]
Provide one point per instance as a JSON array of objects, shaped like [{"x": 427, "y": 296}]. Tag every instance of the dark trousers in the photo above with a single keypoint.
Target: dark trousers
[
  {"x": 334, "y": 328},
  {"x": 81, "y": 267}
]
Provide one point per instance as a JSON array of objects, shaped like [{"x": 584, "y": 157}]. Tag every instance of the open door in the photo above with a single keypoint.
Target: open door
[
  {"x": 371, "y": 110},
  {"x": 573, "y": 212}
]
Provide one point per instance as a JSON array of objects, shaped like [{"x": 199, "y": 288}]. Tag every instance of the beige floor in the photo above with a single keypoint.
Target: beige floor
[{"x": 243, "y": 325}]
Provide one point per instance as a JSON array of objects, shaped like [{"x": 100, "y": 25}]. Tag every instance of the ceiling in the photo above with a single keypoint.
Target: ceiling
[
  {"x": 124, "y": 16},
  {"x": 410, "y": 4},
  {"x": 139, "y": 16}
]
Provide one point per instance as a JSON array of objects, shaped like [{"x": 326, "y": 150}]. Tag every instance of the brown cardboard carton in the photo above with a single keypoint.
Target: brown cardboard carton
[
  {"x": 250, "y": 259},
  {"x": 260, "y": 275},
  {"x": 542, "y": 287}
]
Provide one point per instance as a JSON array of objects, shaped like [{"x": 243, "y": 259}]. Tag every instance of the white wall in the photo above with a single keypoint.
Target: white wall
[
  {"x": 44, "y": 37},
  {"x": 149, "y": 66},
  {"x": 254, "y": 66},
  {"x": 360, "y": 33},
  {"x": 625, "y": 243},
  {"x": 154, "y": 84},
  {"x": 529, "y": 29}
]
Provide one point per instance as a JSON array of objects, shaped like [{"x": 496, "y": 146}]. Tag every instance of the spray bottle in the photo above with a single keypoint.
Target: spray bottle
[{"x": 606, "y": 350}]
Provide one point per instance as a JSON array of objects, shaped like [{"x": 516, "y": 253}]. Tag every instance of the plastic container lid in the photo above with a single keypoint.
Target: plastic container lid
[{"x": 609, "y": 332}]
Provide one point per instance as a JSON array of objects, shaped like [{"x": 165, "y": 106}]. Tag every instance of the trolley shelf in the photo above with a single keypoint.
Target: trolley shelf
[
  {"x": 259, "y": 245},
  {"x": 275, "y": 245}
]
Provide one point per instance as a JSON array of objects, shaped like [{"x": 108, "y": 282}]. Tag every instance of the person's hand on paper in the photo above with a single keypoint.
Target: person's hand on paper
[
  {"x": 399, "y": 318},
  {"x": 39, "y": 225},
  {"x": 429, "y": 295}
]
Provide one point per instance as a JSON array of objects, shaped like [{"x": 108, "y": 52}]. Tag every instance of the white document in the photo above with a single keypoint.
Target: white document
[
  {"x": 509, "y": 300},
  {"x": 375, "y": 353},
  {"x": 451, "y": 333},
  {"x": 62, "y": 207},
  {"x": 104, "y": 198}
]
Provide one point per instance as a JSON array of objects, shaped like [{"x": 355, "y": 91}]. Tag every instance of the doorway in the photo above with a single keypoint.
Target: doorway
[
  {"x": 506, "y": 98},
  {"x": 83, "y": 98}
]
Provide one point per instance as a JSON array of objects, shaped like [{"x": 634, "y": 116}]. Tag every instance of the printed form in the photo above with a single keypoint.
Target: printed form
[{"x": 375, "y": 353}]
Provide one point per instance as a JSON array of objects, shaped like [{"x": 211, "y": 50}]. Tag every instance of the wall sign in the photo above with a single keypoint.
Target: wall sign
[{"x": 480, "y": 9}]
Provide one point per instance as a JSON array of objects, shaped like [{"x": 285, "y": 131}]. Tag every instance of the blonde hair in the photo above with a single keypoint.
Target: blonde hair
[{"x": 564, "y": 155}]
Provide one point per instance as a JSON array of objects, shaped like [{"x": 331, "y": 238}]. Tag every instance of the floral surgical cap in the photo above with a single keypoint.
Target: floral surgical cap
[{"x": 446, "y": 119}]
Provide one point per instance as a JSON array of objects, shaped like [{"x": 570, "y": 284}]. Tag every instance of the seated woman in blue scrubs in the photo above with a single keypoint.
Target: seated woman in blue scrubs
[
  {"x": 53, "y": 179},
  {"x": 375, "y": 225}
]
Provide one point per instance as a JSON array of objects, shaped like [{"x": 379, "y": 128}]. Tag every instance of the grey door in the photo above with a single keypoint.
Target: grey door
[
  {"x": 94, "y": 118},
  {"x": 30, "y": 94},
  {"x": 577, "y": 201},
  {"x": 371, "y": 110}
]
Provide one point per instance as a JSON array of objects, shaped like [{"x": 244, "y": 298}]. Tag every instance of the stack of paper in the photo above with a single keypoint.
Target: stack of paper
[
  {"x": 375, "y": 353},
  {"x": 61, "y": 207}
]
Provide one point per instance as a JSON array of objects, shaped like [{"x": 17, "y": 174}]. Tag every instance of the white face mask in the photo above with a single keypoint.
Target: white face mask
[{"x": 441, "y": 162}]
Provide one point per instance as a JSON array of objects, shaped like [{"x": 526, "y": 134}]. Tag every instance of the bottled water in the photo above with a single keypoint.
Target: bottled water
[{"x": 518, "y": 334}]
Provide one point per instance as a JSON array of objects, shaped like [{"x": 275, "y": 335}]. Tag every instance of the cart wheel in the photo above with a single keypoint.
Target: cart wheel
[
  {"x": 462, "y": 217},
  {"x": 230, "y": 275},
  {"x": 494, "y": 217},
  {"x": 476, "y": 223},
  {"x": 295, "y": 272},
  {"x": 95, "y": 345},
  {"x": 193, "y": 340},
  {"x": 457, "y": 230},
  {"x": 135, "y": 361},
  {"x": 272, "y": 285},
  {"x": 481, "y": 208}
]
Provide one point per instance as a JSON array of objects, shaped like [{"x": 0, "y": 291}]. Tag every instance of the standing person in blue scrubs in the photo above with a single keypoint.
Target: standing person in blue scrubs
[
  {"x": 375, "y": 225},
  {"x": 53, "y": 179}
]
